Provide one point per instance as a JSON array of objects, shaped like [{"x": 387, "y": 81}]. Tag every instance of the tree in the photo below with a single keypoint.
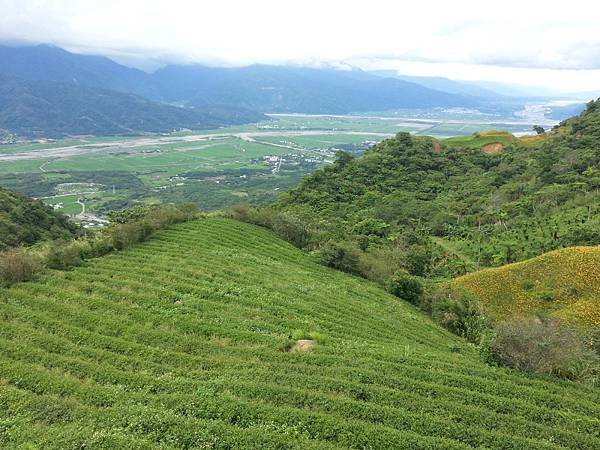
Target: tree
[{"x": 539, "y": 130}]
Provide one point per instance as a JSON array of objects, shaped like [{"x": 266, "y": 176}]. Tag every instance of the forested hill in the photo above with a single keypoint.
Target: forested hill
[
  {"x": 446, "y": 209},
  {"x": 25, "y": 221},
  {"x": 34, "y": 108}
]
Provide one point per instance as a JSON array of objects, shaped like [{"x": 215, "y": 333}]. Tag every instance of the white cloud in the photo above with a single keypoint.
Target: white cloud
[{"x": 521, "y": 38}]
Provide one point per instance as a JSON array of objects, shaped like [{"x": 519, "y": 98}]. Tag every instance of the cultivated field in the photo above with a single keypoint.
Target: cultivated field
[
  {"x": 214, "y": 168},
  {"x": 181, "y": 342}
]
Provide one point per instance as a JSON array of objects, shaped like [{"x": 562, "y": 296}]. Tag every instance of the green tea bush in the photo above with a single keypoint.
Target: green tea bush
[{"x": 130, "y": 227}]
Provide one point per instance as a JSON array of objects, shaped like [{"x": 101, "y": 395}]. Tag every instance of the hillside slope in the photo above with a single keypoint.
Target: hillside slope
[
  {"x": 54, "y": 109},
  {"x": 564, "y": 283},
  {"x": 178, "y": 343},
  {"x": 497, "y": 206},
  {"x": 24, "y": 221}
]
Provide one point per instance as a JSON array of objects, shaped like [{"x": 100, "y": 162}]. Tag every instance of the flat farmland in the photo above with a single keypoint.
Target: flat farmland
[{"x": 214, "y": 168}]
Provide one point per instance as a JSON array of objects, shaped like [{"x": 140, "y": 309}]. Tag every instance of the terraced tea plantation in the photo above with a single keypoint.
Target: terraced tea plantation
[{"x": 182, "y": 342}]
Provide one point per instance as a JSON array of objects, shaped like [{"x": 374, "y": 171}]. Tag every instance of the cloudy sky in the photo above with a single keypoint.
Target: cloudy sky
[{"x": 553, "y": 44}]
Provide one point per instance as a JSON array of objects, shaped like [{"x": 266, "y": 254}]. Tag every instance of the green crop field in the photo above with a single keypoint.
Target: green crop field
[
  {"x": 179, "y": 343},
  {"x": 212, "y": 168},
  {"x": 68, "y": 202}
]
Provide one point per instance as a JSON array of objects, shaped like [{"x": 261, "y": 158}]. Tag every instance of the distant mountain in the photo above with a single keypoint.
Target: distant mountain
[
  {"x": 294, "y": 89},
  {"x": 515, "y": 90},
  {"x": 259, "y": 87},
  {"x": 442, "y": 84},
  {"x": 46, "y": 62},
  {"x": 54, "y": 109}
]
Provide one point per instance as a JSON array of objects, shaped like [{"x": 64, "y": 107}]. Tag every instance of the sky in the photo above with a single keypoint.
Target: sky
[{"x": 550, "y": 44}]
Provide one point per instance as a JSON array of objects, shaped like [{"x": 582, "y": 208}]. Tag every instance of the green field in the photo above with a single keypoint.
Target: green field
[
  {"x": 179, "y": 342},
  {"x": 68, "y": 202},
  {"x": 214, "y": 168}
]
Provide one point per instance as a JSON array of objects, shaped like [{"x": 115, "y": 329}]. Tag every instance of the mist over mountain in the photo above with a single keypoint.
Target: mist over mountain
[
  {"x": 442, "y": 84},
  {"x": 259, "y": 87},
  {"x": 47, "y": 62}
]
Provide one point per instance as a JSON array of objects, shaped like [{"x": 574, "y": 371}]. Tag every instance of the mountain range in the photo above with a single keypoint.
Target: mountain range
[
  {"x": 232, "y": 91},
  {"x": 35, "y": 108}
]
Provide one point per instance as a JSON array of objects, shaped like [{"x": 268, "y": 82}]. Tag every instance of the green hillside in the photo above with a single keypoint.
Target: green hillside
[
  {"x": 24, "y": 221},
  {"x": 564, "y": 283},
  {"x": 443, "y": 211},
  {"x": 180, "y": 343}
]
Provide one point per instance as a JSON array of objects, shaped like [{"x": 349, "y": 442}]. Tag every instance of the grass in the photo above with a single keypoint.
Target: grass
[
  {"x": 478, "y": 140},
  {"x": 482, "y": 138},
  {"x": 176, "y": 343},
  {"x": 564, "y": 283},
  {"x": 69, "y": 202}
]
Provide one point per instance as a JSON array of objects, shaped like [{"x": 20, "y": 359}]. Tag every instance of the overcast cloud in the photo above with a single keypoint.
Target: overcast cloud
[{"x": 554, "y": 44}]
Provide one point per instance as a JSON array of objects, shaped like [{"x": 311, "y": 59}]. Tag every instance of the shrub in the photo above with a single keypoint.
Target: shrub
[
  {"x": 407, "y": 287},
  {"x": 17, "y": 265},
  {"x": 458, "y": 311},
  {"x": 380, "y": 263},
  {"x": 544, "y": 346},
  {"x": 546, "y": 296},
  {"x": 291, "y": 229},
  {"x": 97, "y": 246},
  {"x": 63, "y": 255},
  {"x": 343, "y": 256},
  {"x": 418, "y": 260},
  {"x": 125, "y": 234},
  {"x": 251, "y": 214}
]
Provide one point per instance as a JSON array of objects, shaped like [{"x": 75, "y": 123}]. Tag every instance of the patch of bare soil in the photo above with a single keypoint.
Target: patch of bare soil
[
  {"x": 303, "y": 345},
  {"x": 493, "y": 148}
]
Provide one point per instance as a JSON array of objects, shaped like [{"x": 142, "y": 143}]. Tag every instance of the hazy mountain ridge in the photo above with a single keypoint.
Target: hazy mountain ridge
[
  {"x": 260, "y": 87},
  {"x": 53, "y": 109}
]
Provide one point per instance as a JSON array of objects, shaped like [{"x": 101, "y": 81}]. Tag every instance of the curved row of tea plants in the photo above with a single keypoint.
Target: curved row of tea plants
[{"x": 177, "y": 343}]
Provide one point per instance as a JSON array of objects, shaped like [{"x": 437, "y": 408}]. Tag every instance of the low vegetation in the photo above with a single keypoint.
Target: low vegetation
[
  {"x": 545, "y": 346},
  {"x": 564, "y": 284},
  {"x": 176, "y": 343},
  {"x": 128, "y": 228},
  {"x": 412, "y": 215}
]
